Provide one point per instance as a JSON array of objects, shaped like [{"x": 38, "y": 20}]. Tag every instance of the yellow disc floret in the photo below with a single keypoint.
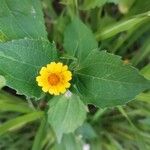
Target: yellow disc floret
[{"x": 54, "y": 78}]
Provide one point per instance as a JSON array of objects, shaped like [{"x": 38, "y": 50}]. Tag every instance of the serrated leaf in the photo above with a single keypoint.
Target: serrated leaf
[
  {"x": 21, "y": 18},
  {"x": 66, "y": 113},
  {"x": 104, "y": 80},
  {"x": 21, "y": 61},
  {"x": 79, "y": 40}
]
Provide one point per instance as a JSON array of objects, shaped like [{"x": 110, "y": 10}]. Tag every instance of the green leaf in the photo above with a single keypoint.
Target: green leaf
[
  {"x": 9, "y": 103},
  {"x": 87, "y": 131},
  {"x": 3, "y": 37},
  {"x": 146, "y": 72},
  {"x": 145, "y": 97},
  {"x": 79, "y": 40},
  {"x": 9, "y": 98},
  {"x": 96, "y": 144},
  {"x": 104, "y": 80},
  {"x": 5, "y": 106},
  {"x": 69, "y": 142},
  {"x": 123, "y": 25},
  {"x": 142, "y": 53},
  {"x": 2, "y": 81},
  {"x": 19, "y": 19},
  {"x": 19, "y": 121},
  {"x": 139, "y": 7},
  {"x": 66, "y": 113},
  {"x": 21, "y": 61}
]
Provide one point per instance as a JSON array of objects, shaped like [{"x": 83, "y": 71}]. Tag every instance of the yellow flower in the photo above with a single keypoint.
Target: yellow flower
[{"x": 54, "y": 78}]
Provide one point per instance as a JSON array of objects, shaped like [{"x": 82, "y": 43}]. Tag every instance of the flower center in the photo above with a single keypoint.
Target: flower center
[{"x": 53, "y": 79}]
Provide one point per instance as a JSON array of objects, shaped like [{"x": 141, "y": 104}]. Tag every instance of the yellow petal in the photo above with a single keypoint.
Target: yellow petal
[
  {"x": 67, "y": 75},
  {"x": 45, "y": 89},
  {"x": 56, "y": 92},
  {"x": 67, "y": 85},
  {"x": 63, "y": 91},
  {"x": 43, "y": 70},
  {"x": 65, "y": 68},
  {"x": 58, "y": 67},
  {"x": 61, "y": 88},
  {"x": 51, "y": 67},
  {"x": 51, "y": 91}
]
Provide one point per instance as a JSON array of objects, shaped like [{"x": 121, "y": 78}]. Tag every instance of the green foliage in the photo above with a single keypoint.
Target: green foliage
[
  {"x": 87, "y": 131},
  {"x": 144, "y": 52},
  {"x": 2, "y": 37},
  {"x": 19, "y": 122},
  {"x": 100, "y": 79},
  {"x": 63, "y": 116},
  {"x": 2, "y": 81},
  {"x": 123, "y": 25},
  {"x": 12, "y": 103},
  {"x": 18, "y": 22},
  {"x": 104, "y": 80},
  {"x": 146, "y": 71},
  {"x": 37, "y": 145},
  {"x": 20, "y": 62},
  {"x": 88, "y": 4},
  {"x": 69, "y": 142},
  {"x": 79, "y": 40}
]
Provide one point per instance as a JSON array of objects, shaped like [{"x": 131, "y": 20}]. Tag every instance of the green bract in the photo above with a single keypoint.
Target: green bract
[{"x": 99, "y": 78}]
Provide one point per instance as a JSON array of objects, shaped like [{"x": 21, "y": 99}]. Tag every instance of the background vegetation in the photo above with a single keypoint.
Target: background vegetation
[{"x": 121, "y": 27}]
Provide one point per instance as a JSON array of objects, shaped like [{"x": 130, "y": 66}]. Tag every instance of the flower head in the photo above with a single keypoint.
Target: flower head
[{"x": 54, "y": 78}]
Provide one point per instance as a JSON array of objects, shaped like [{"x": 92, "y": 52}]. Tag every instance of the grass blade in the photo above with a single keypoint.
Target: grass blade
[
  {"x": 37, "y": 145},
  {"x": 19, "y": 122},
  {"x": 123, "y": 25}
]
